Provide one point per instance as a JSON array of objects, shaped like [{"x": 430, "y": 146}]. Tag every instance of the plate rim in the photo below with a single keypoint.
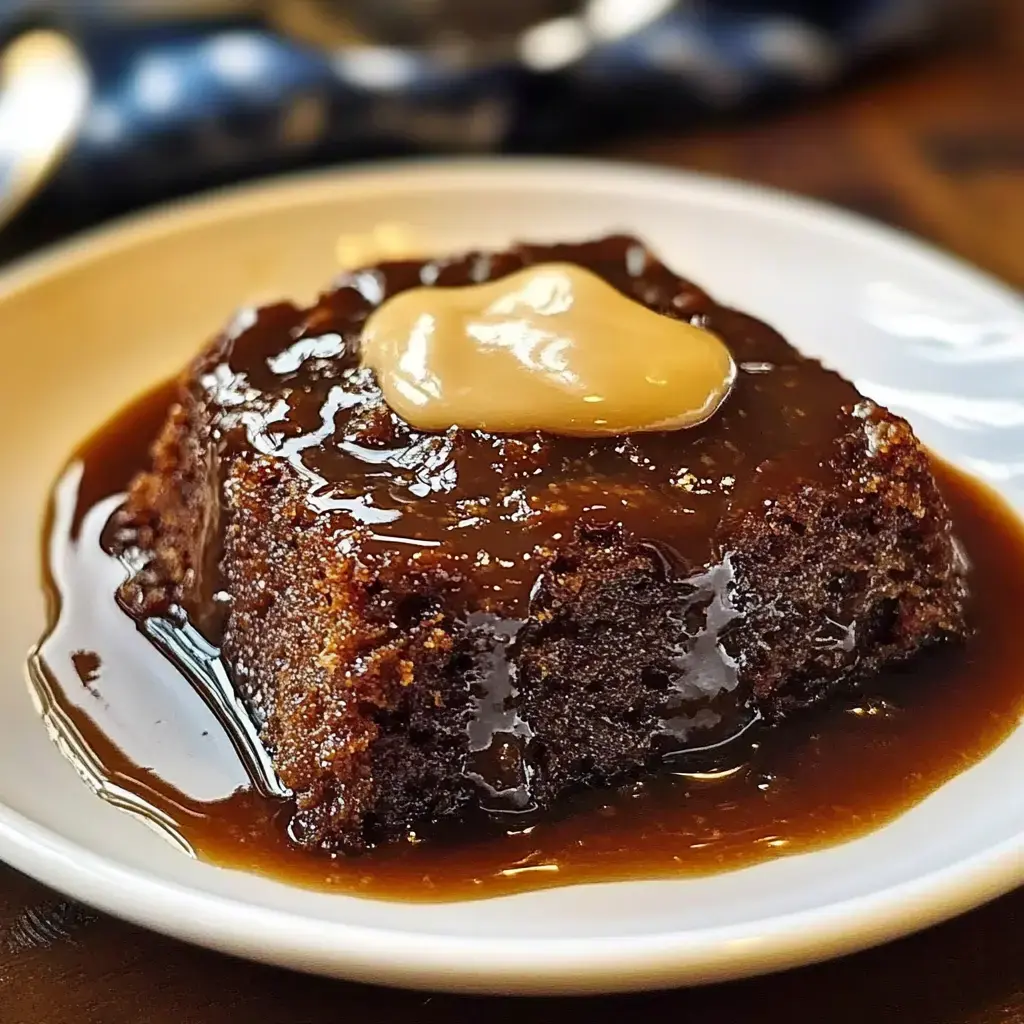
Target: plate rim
[{"x": 494, "y": 964}]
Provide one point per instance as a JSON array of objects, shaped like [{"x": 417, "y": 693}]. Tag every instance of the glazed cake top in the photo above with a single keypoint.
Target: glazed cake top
[{"x": 287, "y": 383}]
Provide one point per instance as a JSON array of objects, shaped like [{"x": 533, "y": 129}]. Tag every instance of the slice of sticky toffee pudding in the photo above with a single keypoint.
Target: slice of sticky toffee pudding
[{"x": 432, "y": 617}]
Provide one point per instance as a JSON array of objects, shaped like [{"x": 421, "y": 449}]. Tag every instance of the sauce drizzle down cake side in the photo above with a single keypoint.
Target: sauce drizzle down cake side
[{"x": 426, "y": 625}]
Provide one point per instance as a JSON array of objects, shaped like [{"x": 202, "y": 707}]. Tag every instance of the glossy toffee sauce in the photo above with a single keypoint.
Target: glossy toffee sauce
[
  {"x": 303, "y": 472},
  {"x": 145, "y": 740}
]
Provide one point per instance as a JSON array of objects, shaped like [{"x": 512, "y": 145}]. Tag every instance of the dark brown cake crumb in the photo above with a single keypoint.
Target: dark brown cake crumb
[{"x": 430, "y": 625}]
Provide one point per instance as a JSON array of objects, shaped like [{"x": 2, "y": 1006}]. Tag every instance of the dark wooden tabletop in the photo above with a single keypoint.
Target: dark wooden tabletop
[{"x": 934, "y": 144}]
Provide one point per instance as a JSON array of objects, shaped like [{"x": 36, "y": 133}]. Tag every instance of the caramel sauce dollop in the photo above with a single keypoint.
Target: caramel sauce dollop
[{"x": 553, "y": 347}]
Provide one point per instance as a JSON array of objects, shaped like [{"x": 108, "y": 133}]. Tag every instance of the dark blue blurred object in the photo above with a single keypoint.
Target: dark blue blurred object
[{"x": 180, "y": 104}]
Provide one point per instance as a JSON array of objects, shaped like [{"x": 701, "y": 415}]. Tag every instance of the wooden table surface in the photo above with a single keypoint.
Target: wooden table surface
[{"x": 934, "y": 144}]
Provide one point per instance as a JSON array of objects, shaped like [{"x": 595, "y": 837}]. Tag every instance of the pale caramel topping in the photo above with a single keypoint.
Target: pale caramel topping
[{"x": 552, "y": 347}]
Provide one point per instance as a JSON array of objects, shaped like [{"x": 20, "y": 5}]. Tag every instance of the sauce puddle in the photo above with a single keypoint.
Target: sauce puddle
[{"x": 145, "y": 740}]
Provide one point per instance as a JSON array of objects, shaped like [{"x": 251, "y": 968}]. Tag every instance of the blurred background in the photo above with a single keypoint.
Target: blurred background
[{"x": 909, "y": 110}]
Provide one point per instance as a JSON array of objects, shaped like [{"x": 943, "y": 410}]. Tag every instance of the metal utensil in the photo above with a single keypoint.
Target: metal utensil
[{"x": 44, "y": 90}]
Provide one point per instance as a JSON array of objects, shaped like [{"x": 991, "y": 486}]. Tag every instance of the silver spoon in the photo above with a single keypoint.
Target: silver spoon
[{"x": 44, "y": 91}]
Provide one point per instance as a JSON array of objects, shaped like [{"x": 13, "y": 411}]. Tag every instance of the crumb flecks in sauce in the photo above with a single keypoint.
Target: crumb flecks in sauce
[
  {"x": 158, "y": 750},
  {"x": 552, "y": 347}
]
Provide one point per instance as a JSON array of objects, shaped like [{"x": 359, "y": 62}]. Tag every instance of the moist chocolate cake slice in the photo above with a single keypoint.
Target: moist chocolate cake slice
[{"x": 431, "y": 625}]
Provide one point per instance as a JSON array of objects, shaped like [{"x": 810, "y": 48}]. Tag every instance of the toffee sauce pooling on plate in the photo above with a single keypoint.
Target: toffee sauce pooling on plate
[
  {"x": 150, "y": 743},
  {"x": 466, "y": 525}
]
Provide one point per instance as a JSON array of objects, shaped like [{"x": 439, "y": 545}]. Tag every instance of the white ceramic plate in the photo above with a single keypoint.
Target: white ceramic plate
[{"x": 91, "y": 324}]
